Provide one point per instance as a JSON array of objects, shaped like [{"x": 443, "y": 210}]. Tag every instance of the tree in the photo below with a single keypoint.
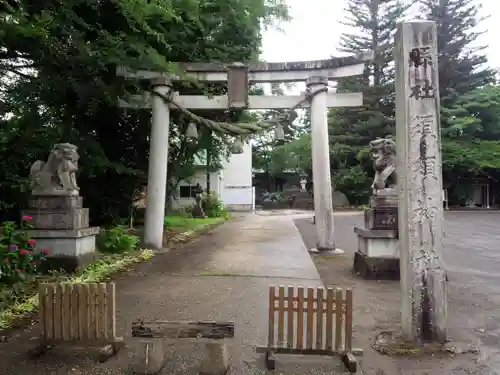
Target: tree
[
  {"x": 474, "y": 115},
  {"x": 471, "y": 143},
  {"x": 462, "y": 65},
  {"x": 268, "y": 152},
  {"x": 373, "y": 23},
  {"x": 295, "y": 155},
  {"x": 58, "y": 64}
]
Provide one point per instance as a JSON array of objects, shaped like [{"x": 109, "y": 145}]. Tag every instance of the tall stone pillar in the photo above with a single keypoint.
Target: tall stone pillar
[{"x": 420, "y": 186}]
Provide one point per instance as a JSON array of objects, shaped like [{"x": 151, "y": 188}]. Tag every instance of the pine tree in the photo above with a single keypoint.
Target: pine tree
[
  {"x": 373, "y": 24},
  {"x": 461, "y": 65}
]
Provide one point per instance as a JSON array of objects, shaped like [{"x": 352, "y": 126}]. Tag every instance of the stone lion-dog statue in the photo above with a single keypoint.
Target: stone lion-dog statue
[
  {"x": 57, "y": 175},
  {"x": 384, "y": 163}
]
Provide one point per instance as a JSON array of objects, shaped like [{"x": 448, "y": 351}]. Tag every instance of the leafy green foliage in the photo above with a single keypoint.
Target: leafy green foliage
[
  {"x": 116, "y": 240},
  {"x": 475, "y": 114},
  {"x": 268, "y": 153},
  {"x": 295, "y": 155},
  {"x": 58, "y": 83},
  {"x": 471, "y": 130},
  {"x": 472, "y": 156},
  {"x": 354, "y": 182}
]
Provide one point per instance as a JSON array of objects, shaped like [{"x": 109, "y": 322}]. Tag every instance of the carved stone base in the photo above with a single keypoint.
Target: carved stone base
[
  {"x": 385, "y": 198},
  {"x": 69, "y": 249},
  {"x": 376, "y": 268},
  {"x": 76, "y": 218},
  {"x": 49, "y": 202},
  {"x": 57, "y": 212},
  {"x": 381, "y": 218}
]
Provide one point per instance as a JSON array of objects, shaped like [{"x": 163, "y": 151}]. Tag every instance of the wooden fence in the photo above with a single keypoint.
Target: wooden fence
[
  {"x": 83, "y": 314},
  {"x": 309, "y": 321}
]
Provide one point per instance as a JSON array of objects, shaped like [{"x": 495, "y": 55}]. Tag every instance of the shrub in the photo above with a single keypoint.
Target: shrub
[
  {"x": 116, "y": 240},
  {"x": 354, "y": 183},
  {"x": 276, "y": 197},
  {"x": 18, "y": 254},
  {"x": 212, "y": 205}
]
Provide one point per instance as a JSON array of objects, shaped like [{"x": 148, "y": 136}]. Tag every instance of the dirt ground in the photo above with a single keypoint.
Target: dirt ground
[{"x": 377, "y": 304}]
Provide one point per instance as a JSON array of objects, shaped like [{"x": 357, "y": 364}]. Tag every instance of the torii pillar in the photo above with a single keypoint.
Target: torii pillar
[
  {"x": 158, "y": 161},
  {"x": 322, "y": 184}
]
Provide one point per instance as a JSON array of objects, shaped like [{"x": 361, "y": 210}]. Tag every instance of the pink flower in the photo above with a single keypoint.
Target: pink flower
[
  {"x": 24, "y": 252},
  {"x": 31, "y": 242},
  {"x": 27, "y": 218},
  {"x": 46, "y": 251}
]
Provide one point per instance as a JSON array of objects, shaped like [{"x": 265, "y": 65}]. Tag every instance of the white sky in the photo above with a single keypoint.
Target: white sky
[{"x": 314, "y": 32}]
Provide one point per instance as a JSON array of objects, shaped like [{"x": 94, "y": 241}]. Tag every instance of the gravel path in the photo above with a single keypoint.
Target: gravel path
[
  {"x": 472, "y": 256},
  {"x": 223, "y": 275}
]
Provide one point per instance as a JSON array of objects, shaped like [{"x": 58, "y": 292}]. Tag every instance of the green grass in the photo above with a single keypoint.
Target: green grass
[
  {"x": 182, "y": 224},
  {"x": 25, "y": 303}
]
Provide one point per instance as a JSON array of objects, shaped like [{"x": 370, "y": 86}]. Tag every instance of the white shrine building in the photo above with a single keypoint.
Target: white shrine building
[{"x": 232, "y": 184}]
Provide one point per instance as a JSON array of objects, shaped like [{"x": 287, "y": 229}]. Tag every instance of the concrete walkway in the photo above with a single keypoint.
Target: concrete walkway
[{"x": 223, "y": 275}]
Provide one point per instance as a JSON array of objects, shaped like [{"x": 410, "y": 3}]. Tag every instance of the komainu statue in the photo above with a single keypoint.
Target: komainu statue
[
  {"x": 384, "y": 162},
  {"x": 57, "y": 175}
]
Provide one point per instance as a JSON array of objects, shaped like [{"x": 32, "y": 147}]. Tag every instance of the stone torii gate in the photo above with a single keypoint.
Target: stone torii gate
[{"x": 316, "y": 74}]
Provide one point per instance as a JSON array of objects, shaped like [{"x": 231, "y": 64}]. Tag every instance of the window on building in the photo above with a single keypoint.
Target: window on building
[{"x": 187, "y": 191}]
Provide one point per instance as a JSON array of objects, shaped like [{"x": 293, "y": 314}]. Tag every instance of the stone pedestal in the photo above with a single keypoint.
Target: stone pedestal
[
  {"x": 61, "y": 225},
  {"x": 377, "y": 256},
  {"x": 216, "y": 361},
  {"x": 150, "y": 357}
]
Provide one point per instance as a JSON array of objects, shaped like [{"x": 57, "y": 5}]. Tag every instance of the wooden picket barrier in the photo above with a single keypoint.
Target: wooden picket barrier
[
  {"x": 79, "y": 314},
  {"x": 324, "y": 314}
]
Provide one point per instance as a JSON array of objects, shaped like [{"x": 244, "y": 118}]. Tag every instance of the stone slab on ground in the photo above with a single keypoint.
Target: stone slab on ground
[{"x": 204, "y": 280}]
